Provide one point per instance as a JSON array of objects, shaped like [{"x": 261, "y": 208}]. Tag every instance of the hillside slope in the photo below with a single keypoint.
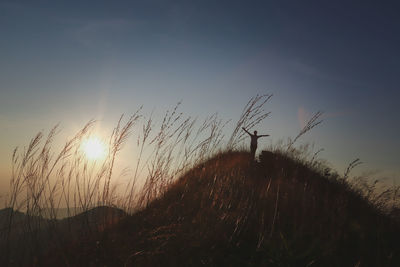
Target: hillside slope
[
  {"x": 230, "y": 212},
  {"x": 22, "y": 241}
]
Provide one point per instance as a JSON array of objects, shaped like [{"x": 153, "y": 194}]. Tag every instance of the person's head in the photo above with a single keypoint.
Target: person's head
[{"x": 255, "y": 132}]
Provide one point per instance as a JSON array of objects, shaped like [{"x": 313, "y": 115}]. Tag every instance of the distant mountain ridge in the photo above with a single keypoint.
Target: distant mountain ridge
[
  {"x": 25, "y": 229},
  {"x": 62, "y": 214}
]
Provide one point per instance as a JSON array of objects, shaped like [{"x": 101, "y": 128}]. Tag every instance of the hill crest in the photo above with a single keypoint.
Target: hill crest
[{"x": 231, "y": 211}]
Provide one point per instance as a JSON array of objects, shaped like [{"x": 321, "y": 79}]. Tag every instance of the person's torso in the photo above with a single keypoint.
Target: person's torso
[{"x": 254, "y": 140}]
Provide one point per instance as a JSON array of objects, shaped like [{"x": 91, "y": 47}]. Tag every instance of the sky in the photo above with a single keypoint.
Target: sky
[{"x": 71, "y": 61}]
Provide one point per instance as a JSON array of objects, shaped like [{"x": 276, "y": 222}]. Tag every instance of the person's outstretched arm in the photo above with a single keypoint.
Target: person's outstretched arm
[
  {"x": 246, "y": 131},
  {"x": 263, "y": 135}
]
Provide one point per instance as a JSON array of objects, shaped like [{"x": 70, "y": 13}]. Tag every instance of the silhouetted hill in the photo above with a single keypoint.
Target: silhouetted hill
[
  {"x": 28, "y": 237},
  {"x": 7, "y": 212},
  {"x": 95, "y": 217},
  {"x": 19, "y": 221},
  {"x": 60, "y": 213},
  {"x": 229, "y": 211}
]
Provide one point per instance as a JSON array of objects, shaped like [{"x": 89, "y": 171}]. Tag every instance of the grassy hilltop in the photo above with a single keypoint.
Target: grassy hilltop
[
  {"x": 197, "y": 206},
  {"x": 228, "y": 211}
]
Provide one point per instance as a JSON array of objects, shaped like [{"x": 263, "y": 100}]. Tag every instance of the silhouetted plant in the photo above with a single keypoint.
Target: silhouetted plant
[
  {"x": 314, "y": 121},
  {"x": 197, "y": 189},
  {"x": 252, "y": 114}
]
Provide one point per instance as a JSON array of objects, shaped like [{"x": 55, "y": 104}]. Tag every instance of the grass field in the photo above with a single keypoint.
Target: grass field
[{"x": 201, "y": 203}]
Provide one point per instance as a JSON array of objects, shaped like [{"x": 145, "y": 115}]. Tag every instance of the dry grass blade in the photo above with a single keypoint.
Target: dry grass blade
[
  {"x": 350, "y": 167},
  {"x": 252, "y": 114},
  {"x": 314, "y": 121}
]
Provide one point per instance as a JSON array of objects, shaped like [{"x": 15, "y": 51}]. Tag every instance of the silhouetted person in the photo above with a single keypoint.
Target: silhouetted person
[{"x": 253, "y": 143}]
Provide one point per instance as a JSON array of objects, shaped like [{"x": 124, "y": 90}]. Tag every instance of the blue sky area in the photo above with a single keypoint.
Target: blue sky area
[{"x": 73, "y": 61}]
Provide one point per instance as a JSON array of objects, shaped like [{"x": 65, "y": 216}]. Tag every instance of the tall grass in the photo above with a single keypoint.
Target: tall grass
[
  {"x": 228, "y": 212},
  {"x": 44, "y": 180}
]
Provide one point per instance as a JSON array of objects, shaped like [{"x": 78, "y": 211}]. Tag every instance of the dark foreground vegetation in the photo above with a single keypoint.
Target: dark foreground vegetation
[
  {"x": 196, "y": 206},
  {"x": 230, "y": 212}
]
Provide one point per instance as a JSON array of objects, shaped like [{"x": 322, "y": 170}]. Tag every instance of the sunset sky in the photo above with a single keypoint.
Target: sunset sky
[{"x": 72, "y": 61}]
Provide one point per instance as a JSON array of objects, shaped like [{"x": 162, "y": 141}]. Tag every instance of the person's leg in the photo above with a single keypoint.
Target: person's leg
[{"x": 253, "y": 152}]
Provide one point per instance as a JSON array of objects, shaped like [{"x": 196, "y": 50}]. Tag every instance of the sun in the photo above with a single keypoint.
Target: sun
[{"x": 94, "y": 148}]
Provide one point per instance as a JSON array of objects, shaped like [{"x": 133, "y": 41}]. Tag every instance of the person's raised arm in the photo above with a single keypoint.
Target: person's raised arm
[{"x": 246, "y": 131}]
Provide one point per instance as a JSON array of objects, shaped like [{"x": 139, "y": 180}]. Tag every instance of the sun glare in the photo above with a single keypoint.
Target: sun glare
[{"x": 94, "y": 148}]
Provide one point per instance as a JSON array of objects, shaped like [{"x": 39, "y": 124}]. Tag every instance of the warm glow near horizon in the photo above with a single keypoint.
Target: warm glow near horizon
[{"x": 94, "y": 148}]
